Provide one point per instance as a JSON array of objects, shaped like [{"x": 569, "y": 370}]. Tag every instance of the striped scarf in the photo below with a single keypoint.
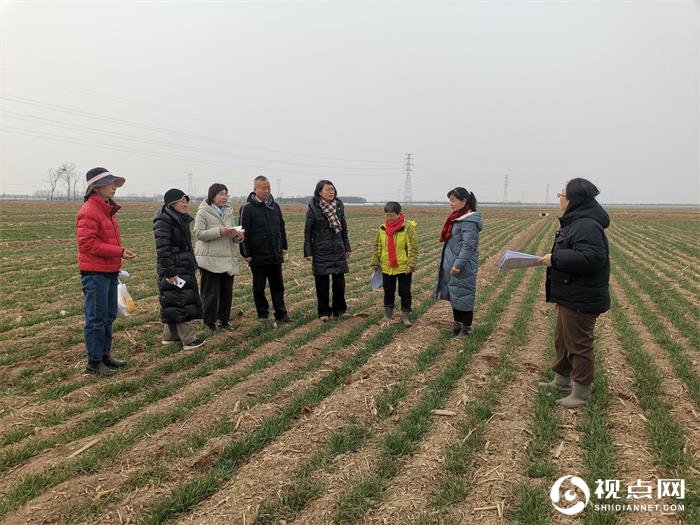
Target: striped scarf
[{"x": 329, "y": 209}]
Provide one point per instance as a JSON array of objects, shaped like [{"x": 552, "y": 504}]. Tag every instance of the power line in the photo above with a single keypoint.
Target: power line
[
  {"x": 163, "y": 109},
  {"x": 166, "y": 155},
  {"x": 179, "y": 147},
  {"x": 167, "y": 131}
]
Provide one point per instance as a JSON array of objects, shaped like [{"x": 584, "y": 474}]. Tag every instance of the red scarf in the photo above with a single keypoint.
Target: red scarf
[
  {"x": 390, "y": 230},
  {"x": 446, "y": 232}
]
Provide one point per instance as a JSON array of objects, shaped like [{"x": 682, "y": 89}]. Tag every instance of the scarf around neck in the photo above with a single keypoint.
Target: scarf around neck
[
  {"x": 330, "y": 210},
  {"x": 446, "y": 232},
  {"x": 391, "y": 241}
]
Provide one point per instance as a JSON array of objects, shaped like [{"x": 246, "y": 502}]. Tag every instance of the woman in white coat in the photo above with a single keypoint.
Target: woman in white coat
[{"x": 217, "y": 257}]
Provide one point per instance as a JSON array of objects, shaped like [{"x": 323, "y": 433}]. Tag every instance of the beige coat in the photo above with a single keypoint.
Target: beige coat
[{"x": 215, "y": 253}]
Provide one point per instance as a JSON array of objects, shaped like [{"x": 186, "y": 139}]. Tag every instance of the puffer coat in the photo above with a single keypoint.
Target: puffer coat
[
  {"x": 328, "y": 247},
  {"x": 580, "y": 273},
  {"x": 214, "y": 252},
  {"x": 461, "y": 250},
  {"x": 175, "y": 256},
  {"x": 265, "y": 233},
  {"x": 97, "y": 230}
]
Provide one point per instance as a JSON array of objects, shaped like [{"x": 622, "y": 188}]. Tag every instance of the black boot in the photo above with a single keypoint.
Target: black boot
[
  {"x": 98, "y": 368},
  {"x": 464, "y": 332},
  {"x": 112, "y": 363}
]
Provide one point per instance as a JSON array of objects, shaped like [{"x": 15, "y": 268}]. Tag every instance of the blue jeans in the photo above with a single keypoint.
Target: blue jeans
[{"x": 100, "y": 291}]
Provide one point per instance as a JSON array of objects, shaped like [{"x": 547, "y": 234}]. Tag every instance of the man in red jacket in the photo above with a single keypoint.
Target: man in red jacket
[{"x": 100, "y": 255}]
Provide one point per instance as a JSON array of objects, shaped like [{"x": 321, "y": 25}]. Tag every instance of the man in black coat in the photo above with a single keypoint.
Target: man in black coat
[{"x": 264, "y": 247}]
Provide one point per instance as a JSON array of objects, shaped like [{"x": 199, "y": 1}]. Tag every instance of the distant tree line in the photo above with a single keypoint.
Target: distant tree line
[{"x": 66, "y": 177}]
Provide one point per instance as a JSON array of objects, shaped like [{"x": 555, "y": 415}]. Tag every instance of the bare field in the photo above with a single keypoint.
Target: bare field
[{"x": 337, "y": 423}]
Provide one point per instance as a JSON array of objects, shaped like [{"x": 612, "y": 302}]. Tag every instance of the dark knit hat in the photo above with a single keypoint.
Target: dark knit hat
[
  {"x": 98, "y": 177},
  {"x": 173, "y": 195}
]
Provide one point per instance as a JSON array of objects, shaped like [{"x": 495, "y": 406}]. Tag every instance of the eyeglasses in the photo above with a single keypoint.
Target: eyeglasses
[{"x": 560, "y": 195}]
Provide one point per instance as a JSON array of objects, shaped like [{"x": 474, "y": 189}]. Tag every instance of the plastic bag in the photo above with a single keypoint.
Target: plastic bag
[
  {"x": 125, "y": 304},
  {"x": 377, "y": 279}
]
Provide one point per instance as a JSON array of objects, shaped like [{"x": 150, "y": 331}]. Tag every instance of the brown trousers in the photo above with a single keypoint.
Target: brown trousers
[
  {"x": 180, "y": 331},
  {"x": 573, "y": 340}
]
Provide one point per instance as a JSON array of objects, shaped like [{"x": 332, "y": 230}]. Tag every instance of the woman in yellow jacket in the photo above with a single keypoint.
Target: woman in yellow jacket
[{"x": 396, "y": 251}]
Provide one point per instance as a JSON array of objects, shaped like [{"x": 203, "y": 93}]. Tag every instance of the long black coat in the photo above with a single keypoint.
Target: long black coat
[
  {"x": 175, "y": 256},
  {"x": 327, "y": 247},
  {"x": 265, "y": 233},
  {"x": 580, "y": 273}
]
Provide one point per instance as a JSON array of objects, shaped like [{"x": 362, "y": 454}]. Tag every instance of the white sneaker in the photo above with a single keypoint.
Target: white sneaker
[{"x": 194, "y": 344}]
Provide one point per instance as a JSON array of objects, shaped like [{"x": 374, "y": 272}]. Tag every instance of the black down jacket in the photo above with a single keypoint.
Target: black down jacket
[
  {"x": 175, "y": 256},
  {"x": 580, "y": 272},
  {"x": 265, "y": 233},
  {"x": 327, "y": 247}
]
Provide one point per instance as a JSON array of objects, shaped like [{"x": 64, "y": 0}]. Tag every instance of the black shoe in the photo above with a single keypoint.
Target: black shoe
[
  {"x": 264, "y": 319},
  {"x": 286, "y": 320},
  {"x": 112, "y": 363},
  {"x": 226, "y": 327},
  {"x": 211, "y": 327},
  {"x": 98, "y": 368},
  {"x": 456, "y": 327}
]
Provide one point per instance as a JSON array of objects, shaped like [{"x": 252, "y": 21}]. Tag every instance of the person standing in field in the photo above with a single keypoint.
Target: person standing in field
[
  {"x": 264, "y": 248},
  {"x": 100, "y": 255},
  {"x": 459, "y": 263},
  {"x": 578, "y": 276},
  {"x": 396, "y": 252},
  {"x": 176, "y": 266},
  {"x": 327, "y": 248},
  {"x": 217, "y": 256}
]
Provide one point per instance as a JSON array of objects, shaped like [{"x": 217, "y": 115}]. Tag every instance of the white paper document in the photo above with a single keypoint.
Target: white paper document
[{"x": 512, "y": 260}]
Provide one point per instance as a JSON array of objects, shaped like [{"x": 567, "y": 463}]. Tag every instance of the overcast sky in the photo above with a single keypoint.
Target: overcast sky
[{"x": 539, "y": 91}]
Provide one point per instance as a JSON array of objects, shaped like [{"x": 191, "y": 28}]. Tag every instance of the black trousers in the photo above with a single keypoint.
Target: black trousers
[
  {"x": 322, "y": 294},
  {"x": 465, "y": 318},
  {"x": 271, "y": 273},
  {"x": 389, "y": 284},
  {"x": 217, "y": 295}
]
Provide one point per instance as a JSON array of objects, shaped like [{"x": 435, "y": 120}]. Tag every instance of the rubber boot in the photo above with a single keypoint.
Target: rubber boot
[
  {"x": 98, "y": 368},
  {"x": 579, "y": 396},
  {"x": 456, "y": 327},
  {"x": 464, "y": 332},
  {"x": 112, "y": 363},
  {"x": 560, "y": 382},
  {"x": 388, "y": 313},
  {"x": 405, "y": 320}
]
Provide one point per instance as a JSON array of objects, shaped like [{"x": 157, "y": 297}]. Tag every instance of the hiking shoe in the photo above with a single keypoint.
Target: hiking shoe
[
  {"x": 194, "y": 344},
  {"x": 112, "y": 363},
  {"x": 98, "y": 368}
]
